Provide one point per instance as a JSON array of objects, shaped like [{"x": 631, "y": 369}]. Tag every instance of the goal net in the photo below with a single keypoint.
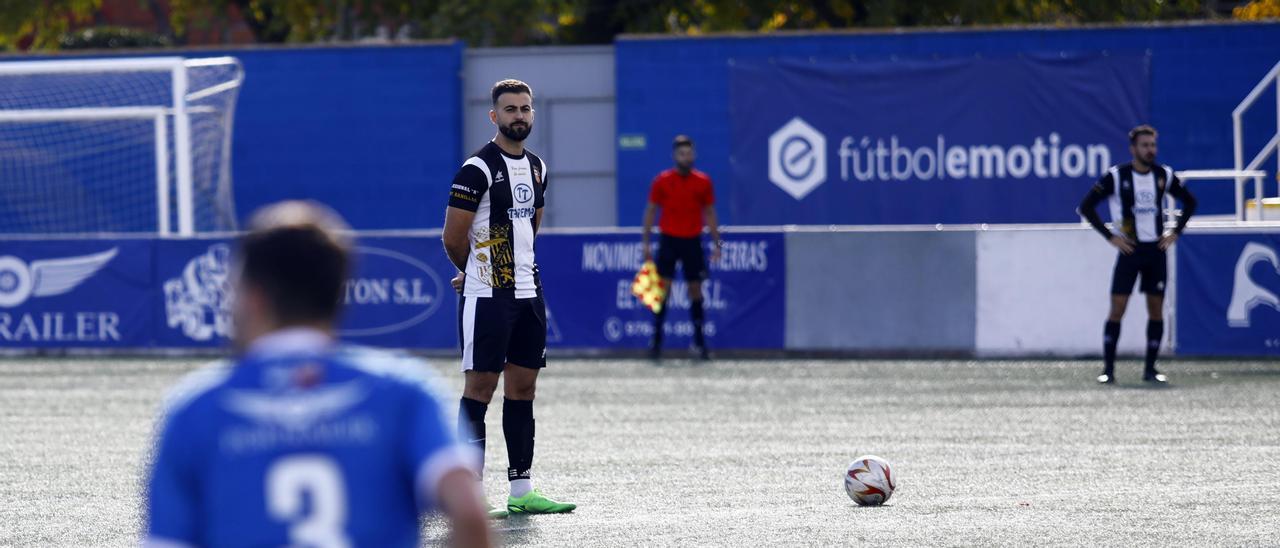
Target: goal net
[{"x": 117, "y": 145}]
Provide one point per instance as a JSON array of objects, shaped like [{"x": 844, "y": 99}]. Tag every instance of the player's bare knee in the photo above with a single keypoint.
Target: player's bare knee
[
  {"x": 523, "y": 389},
  {"x": 521, "y": 393},
  {"x": 520, "y": 383},
  {"x": 1155, "y": 309},
  {"x": 480, "y": 386}
]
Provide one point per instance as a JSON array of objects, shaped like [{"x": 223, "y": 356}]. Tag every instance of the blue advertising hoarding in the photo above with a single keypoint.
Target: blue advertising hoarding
[
  {"x": 587, "y": 281},
  {"x": 398, "y": 295},
  {"x": 1228, "y": 301},
  {"x": 176, "y": 294},
  {"x": 923, "y": 141},
  {"x": 76, "y": 293}
]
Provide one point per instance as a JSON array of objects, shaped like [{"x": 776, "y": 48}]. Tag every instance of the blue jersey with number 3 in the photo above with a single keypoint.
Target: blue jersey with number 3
[{"x": 329, "y": 448}]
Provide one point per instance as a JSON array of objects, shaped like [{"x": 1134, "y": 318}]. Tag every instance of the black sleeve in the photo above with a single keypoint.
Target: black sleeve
[
  {"x": 469, "y": 185},
  {"x": 540, "y": 198},
  {"x": 1179, "y": 191},
  {"x": 1106, "y": 186}
]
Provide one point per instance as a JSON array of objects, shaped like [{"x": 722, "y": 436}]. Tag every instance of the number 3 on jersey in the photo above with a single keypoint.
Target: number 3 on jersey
[{"x": 290, "y": 481}]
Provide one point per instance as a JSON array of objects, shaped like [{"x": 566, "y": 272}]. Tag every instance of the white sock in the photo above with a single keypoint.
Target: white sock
[{"x": 520, "y": 487}]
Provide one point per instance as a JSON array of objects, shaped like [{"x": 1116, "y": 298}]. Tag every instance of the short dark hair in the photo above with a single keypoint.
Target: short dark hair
[
  {"x": 681, "y": 141},
  {"x": 1139, "y": 131},
  {"x": 510, "y": 86},
  {"x": 299, "y": 254}
]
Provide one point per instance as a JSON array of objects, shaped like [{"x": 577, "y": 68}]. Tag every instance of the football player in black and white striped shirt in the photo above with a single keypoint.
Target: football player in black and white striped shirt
[
  {"x": 495, "y": 206},
  {"x": 1135, "y": 192}
]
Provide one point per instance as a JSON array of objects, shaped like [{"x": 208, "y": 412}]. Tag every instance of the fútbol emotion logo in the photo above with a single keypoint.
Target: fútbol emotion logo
[{"x": 798, "y": 159}]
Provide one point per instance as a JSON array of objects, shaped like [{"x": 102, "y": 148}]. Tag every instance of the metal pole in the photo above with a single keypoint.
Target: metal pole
[
  {"x": 162, "y": 174},
  {"x": 1240, "y": 205},
  {"x": 1257, "y": 197},
  {"x": 182, "y": 154}
]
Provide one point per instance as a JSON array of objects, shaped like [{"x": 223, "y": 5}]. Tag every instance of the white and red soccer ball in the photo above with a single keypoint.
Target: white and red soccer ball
[{"x": 869, "y": 481}]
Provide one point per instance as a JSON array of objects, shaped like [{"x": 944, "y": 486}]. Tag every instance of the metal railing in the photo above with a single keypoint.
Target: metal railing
[{"x": 1237, "y": 128}]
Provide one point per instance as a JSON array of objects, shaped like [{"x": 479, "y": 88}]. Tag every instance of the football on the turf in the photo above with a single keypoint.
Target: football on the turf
[{"x": 868, "y": 481}]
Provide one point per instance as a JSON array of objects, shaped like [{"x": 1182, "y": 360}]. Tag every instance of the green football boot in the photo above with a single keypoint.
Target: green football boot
[
  {"x": 534, "y": 502},
  {"x": 495, "y": 513}
]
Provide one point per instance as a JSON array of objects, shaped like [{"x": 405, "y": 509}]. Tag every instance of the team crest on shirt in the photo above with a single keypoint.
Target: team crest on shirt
[
  {"x": 296, "y": 410},
  {"x": 499, "y": 270}
]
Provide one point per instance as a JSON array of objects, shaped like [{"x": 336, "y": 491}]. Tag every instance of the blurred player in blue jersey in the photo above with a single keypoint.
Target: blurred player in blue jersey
[{"x": 302, "y": 441}]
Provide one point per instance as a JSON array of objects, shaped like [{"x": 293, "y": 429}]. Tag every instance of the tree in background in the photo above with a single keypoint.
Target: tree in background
[
  {"x": 38, "y": 24},
  {"x": 1258, "y": 10}
]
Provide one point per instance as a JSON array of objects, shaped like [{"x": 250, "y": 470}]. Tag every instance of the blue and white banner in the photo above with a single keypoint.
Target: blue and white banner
[
  {"x": 1016, "y": 140},
  {"x": 398, "y": 295},
  {"x": 167, "y": 293},
  {"x": 587, "y": 281},
  {"x": 1229, "y": 294},
  {"x": 76, "y": 293}
]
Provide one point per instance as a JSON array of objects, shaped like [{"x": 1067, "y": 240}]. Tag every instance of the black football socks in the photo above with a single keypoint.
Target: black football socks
[
  {"x": 1111, "y": 335},
  {"x": 517, "y": 428},
  {"x": 471, "y": 424}
]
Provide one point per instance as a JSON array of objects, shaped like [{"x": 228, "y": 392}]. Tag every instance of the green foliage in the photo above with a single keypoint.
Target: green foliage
[
  {"x": 111, "y": 38},
  {"x": 1258, "y": 10},
  {"x": 525, "y": 22},
  {"x": 41, "y": 22}
]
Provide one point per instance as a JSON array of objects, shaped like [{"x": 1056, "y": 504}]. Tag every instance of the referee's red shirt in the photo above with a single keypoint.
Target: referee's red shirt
[{"x": 682, "y": 199}]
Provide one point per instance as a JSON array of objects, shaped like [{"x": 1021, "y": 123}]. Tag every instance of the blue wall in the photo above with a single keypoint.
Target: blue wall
[
  {"x": 1199, "y": 73},
  {"x": 373, "y": 131}
]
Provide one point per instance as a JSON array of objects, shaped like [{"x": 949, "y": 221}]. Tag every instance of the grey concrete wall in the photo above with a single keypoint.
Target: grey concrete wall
[
  {"x": 892, "y": 292},
  {"x": 573, "y": 90}
]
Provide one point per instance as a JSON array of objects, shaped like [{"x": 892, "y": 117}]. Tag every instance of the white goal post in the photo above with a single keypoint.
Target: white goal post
[{"x": 55, "y": 94}]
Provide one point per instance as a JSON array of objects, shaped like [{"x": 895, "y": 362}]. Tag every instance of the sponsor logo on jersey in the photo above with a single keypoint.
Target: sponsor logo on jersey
[
  {"x": 521, "y": 213},
  {"x": 523, "y": 193}
]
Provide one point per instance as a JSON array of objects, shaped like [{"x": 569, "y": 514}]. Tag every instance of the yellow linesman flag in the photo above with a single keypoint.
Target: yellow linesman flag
[{"x": 649, "y": 287}]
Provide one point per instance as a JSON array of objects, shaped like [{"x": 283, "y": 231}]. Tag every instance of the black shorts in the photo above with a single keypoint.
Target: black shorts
[
  {"x": 1148, "y": 260},
  {"x": 688, "y": 251},
  {"x": 495, "y": 331}
]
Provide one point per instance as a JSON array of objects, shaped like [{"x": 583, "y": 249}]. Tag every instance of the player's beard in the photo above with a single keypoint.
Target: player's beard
[{"x": 516, "y": 131}]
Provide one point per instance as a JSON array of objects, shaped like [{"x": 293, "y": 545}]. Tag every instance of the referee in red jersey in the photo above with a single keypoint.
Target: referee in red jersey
[{"x": 687, "y": 202}]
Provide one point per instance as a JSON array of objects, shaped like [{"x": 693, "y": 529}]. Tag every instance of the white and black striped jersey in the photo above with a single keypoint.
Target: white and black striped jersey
[
  {"x": 1136, "y": 201},
  {"x": 505, "y": 192}
]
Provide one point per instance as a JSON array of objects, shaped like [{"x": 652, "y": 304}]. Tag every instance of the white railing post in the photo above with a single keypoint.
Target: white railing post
[
  {"x": 162, "y": 174},
  {"x": 182, "y": 153},
  {"x": 1237, "y": 146}
]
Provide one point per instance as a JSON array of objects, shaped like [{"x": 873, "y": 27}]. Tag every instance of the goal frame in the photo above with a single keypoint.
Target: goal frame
[{"x": 179, "y": 109}]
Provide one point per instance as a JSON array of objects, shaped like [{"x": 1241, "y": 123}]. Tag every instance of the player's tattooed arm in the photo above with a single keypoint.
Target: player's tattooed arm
[{"x": 457, "y": 225}]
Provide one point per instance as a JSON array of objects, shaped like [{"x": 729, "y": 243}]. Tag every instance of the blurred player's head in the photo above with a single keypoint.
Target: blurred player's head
[
  {"x": 683, "y": 153},
  {"x": 512, "y": 109},
  {"x": 1142, "y": 143},
  {"x": 291, "y": 267}
]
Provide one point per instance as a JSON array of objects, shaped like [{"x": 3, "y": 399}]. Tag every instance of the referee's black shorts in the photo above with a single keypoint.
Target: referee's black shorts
[
  {"x": 1147, "y": 261},
  {"x": 495, "y": 331},
  {"x": 686, "y": 251}
]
